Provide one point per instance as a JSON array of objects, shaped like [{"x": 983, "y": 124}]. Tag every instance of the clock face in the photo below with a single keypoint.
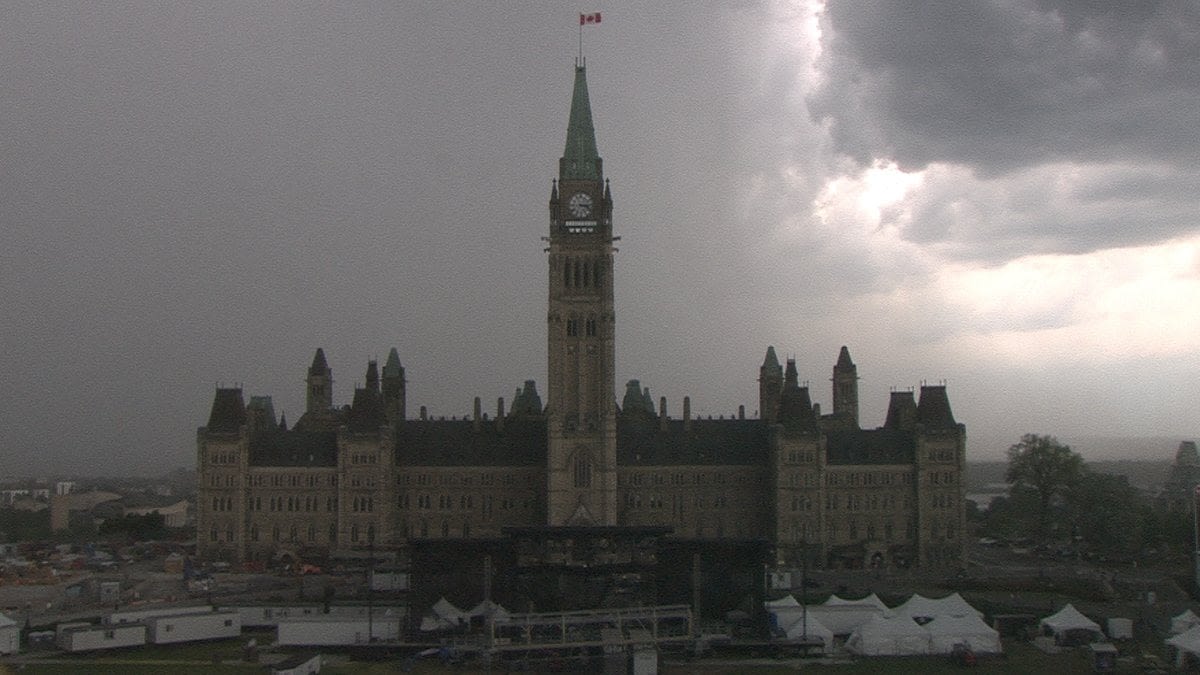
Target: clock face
[{"x": 580, "y": 205}]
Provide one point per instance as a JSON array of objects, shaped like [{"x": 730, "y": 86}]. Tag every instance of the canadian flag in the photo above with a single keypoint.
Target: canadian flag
[{"x": 594, "y": 17}]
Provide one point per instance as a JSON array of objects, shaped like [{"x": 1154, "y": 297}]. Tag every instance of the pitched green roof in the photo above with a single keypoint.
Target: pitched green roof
[{"x": 580, "y": 159}]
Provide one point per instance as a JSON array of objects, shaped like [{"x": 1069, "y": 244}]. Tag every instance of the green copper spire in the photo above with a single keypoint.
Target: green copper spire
[{"x": 580, "y": 160}]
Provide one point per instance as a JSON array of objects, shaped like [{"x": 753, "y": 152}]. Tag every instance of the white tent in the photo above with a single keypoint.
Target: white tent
[
  {"x": 947, "y": 631},
  {"x": 1069, "y": 626},
  {"x": 923, "y": 609},
  {"x": 895, "y": 636},
  {"x": 489, "y": 608},
  {"x": 786, "y": 601},
  {"x": 1184, "y": 622},
  {"x": 807, "y": 625},
  {"x": 872, "y": 600},
  {"x": 443, "y": 616},
  {"x": 1185, "y": 643},
  {"x": 844, "y": 616}
]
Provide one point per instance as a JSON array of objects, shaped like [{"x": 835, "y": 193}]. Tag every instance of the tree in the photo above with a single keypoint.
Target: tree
[
  {"x": 1048, "y": 468},
  {"x": 1107, "y": 514}
]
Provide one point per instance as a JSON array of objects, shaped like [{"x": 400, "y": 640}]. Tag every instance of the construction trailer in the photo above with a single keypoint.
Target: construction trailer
[
  {"x": 161, "y": 630},
  {"x": 140, "y": 615},
  {"x": 329, "y": 631},
  {"x": 92, "y": 637},
  {"x": 269, "y": 616},
  {"x": 10, "y": 636}
]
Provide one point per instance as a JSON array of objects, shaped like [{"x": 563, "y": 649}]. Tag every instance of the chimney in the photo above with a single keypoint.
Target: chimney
[
  {"x": 424, "y": 414},
  {"x": 741, "y": 412},
  {"x": 478, "y": 413},
  {"x": 662, "y": 413},
  {"x": 687, "y": 413},
  {"x": 500, "y": 414}
]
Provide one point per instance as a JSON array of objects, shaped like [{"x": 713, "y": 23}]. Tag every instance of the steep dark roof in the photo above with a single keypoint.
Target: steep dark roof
[
  {"x": 319, "y": 365},
  {"x": 640, "y": 442},
  {"x": 844, "y": 358},
  {"x": 902, "y": 411},
  {"x": 580, "y": 158},
  {"x": 228, "y": 412},
  {"x": 520, "y": 442},
  {"x": 275, "y": 447},
  {"x": 367, "y": 412},
  {"x": 796, "y": 409},
  {"x": 875, "y": 446},
  {"x": 933, "y": 410}
]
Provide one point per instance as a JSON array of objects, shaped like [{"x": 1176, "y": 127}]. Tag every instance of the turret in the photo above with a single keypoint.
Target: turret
[
  {"x": 394, "y": 388},
  {"x": 770, "y": 384},
  {"x": 795, "y": 404},
  {"x": 320, "y": 385},
  {"x": 845, "y": 388}
]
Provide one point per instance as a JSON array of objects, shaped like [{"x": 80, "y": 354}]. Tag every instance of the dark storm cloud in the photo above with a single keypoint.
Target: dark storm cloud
[{"x": 1001, "y": 86}]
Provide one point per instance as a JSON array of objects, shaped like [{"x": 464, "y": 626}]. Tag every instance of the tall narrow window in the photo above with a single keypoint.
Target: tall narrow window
[
  {"x": 591, "y": 327},
  {"x": 583, "y": 473},
  {"x": 586, "y": 276},
  {"x": 567, "y": 272},
  {"x": 576, "y": 266}
]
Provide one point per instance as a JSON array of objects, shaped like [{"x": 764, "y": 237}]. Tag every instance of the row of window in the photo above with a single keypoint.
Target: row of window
[
  {"x": 455, "y": 480},
  {"x": 681, "y": 478},
  {"x": 424, "y": 501},
  {"x": 868, "y": 478},
  {"x": 222, "y": 457},
  {"x": 583, "y": 272}
]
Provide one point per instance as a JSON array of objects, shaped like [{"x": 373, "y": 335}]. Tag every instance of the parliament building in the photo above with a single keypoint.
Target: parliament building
[{"x": 583, "y": 478}]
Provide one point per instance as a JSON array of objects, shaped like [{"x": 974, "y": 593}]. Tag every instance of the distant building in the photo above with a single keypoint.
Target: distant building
[
  {"x": 798, "y": 482},
  {"x": 1177, "y": 493},
  {"x": 174, "y": 515}
]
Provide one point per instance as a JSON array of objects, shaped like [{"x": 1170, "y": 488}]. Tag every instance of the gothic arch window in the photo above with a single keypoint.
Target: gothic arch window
[{"x": 583, "y": 471}]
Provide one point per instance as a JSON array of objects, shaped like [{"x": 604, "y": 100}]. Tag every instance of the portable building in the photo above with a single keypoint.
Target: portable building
[
  {"x": 269, "y": 616},
  {"x": 162, "y": 630},
  {"x": 10, "y": 636},
  {"x": 91, "y": 637},
  {"x": 139, "y": 615},
  {"x": 325, "y": 631}
]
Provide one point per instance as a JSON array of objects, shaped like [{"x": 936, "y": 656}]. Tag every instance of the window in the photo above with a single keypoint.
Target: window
[
  {"x": 572, "y": 327},
  {"x": 591, "y": 328},
  {"x": 583, "y": 473}
]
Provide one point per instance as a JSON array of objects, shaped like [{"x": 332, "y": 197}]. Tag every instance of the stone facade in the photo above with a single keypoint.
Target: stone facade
[{"x": 367, "y": 474}]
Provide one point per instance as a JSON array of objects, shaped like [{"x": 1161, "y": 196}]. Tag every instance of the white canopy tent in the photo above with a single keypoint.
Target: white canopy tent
[
  {"x": 1069, "y": 626},
  {"x": 1184, "y": 622},
  {"x": 947, "y": 631},
  {"x": 872, "y": 599},
  {"x": 1185, "y": 644},
  {"x": 895, "y": 636},
  {"x": 443, "y": 616},
  {"x": 807, "y": 625},
  {"x": 784, "y": 602},
  {"x": 923, "y": 609},
  {"x": 844, "y": 616},
  {"x": 488, "y": 608}
]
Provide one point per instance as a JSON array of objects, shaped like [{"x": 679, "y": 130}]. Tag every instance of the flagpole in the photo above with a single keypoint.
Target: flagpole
[{"x": 580, "y": 41}]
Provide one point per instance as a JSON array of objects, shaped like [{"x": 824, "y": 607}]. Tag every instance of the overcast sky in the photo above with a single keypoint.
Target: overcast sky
[{"x": 1000, "y": 195}]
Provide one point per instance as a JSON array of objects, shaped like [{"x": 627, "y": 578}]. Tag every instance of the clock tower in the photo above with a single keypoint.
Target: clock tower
[{"x": 581, "y": 469}]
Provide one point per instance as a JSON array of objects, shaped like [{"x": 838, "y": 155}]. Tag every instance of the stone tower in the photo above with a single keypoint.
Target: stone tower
[
  {"x": 770, "y": 384},
  {"x": 581, "y": 461},
  {"x": 845, "y": 388},
  {"x": 394, "y": 388},
  {"x": 320, "y": 386}
]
